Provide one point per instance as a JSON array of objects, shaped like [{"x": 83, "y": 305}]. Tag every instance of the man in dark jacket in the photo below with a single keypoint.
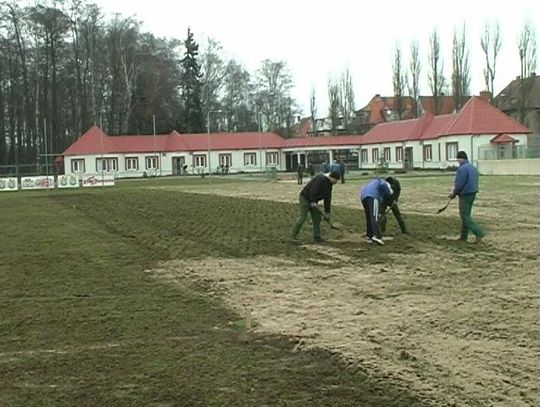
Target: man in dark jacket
[
  {"x": 373, "y": 194},
  {"x": 320, "y": 187},
  {"x": 466, "y": 187},
  {"x": 396, "y": 187}
]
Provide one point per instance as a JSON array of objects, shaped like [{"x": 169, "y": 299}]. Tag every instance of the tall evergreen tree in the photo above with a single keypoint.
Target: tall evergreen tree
[{"x": 191, "y": 86}]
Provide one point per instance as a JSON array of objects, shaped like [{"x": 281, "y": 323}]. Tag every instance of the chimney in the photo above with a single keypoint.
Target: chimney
[{"x": 485, "y": 95}]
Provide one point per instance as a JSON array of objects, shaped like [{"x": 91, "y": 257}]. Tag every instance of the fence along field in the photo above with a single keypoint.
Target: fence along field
[{"x": 451, "y": 324}]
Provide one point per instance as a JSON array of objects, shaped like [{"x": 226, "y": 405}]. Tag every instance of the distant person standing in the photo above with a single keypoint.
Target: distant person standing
[
  {"x": 342, "y": 171},
  {"x": 466, "y": 187},
  {"x": 376, "y": 192},
  {"x": 300, "y": 173},
  {"x": 320, "y": 187}
]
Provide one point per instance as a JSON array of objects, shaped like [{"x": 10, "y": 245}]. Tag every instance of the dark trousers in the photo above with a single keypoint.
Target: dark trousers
[
  {"x": 465, "y": 211},
  {"x": 300, "y": 178},
  {"x": 371, "y": 208},
  {"x": 304, "y": 208},
  {"x": 397, "y": 214},
  {"x": 342, "y": 176}
]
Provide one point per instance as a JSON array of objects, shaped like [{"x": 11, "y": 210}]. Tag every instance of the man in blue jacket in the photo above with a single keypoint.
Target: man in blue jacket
[
  {"x": 320, "y": 187},
  {"x": 466, "y": 187},
  {"x": 375, "y": 193}
]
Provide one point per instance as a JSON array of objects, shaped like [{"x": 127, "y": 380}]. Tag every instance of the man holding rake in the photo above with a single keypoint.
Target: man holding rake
[{"x": 466, "y": 187}]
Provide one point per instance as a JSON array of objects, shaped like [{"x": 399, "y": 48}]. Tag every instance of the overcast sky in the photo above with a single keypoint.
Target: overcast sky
[{"x": 319, "y": 39}]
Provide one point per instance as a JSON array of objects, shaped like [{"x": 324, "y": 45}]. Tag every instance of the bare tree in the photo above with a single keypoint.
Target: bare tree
[
  {"x": 460, "y": 69},
  {"x": 491, "y": 45},
  {"x": 398, "y": 82},
  {"x": 347, "y": 98},
  {"x": 213, "y": 70},
  {"x": 435, "y": 74},
  {"x": 313, "y": 111},
  {"x": 415, "y": 68},
  {"x": 238, "y": 99},
  {"x": 334, "y": 103},
  {"x": 527, "y": 58},
  {"x": 274, "y": 83}
]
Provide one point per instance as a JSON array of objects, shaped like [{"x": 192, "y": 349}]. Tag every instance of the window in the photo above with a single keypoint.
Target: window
[
  {"x": 387, "y": 155},
  {"x": 106, "y": 164},
  {"x": 451, "y": 151},
  {"x": 375, "y": 155},
  {"x": 77, "y": 165},
  {"x": 132, "y": 163},
  {"x": 250, "y": 159},
  {"x": 199, "y": 160},
  {"x": 151, "y": 162},
  {"x": 427, "y": 152},
  {"x": 399, "y": 154},
  {"x": 225, "y": 160},
  {"x": 272, "y": 158},
  {"x": 364, "y": 154}
]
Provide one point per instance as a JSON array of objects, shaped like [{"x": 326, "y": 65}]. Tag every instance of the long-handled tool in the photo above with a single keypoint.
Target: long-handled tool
[
  {"x": 445, "y": 206},
  {"x": 326, "y": 218},
  {"x": 385, "y": 213}
]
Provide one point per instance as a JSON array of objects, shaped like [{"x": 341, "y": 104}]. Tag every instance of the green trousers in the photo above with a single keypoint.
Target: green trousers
[
  {"x": 397, "y": 214},
  {"x": 304, "y": 207},
  {"x": 467, "y": 223}
]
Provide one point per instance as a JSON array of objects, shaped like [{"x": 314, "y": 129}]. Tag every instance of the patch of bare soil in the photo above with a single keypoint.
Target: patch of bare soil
[{"x": 447, "y": 321}]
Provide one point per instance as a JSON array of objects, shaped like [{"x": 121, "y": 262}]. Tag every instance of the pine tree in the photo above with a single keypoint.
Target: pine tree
[{"x": 191, "y": 87}]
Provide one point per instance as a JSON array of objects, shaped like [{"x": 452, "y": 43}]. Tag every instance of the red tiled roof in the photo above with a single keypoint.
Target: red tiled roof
[
  {"x": 480, "y": 117},
  {"x": 94, "y": 141},
  {"x": 503, "y": 138},
  {"x": 391, "y": 131},
  {"x": 446, "y": 104},
  {"x": 476, "y": 117}
]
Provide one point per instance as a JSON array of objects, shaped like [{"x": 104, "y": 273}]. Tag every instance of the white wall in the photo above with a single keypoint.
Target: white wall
[{"x": 525, "y": 166}]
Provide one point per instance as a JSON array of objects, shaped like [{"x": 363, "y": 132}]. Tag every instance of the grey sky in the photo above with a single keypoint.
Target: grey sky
[{"x": 322, "y": 38}]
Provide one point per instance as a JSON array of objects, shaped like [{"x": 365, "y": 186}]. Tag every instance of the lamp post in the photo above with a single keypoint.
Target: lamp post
[
  {"x": 260, "y": 140},
  {"x": 208, "y": 132}
]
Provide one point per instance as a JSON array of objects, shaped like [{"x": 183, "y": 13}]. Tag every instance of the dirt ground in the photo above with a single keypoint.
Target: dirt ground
[{"x": 457, "y": 324}]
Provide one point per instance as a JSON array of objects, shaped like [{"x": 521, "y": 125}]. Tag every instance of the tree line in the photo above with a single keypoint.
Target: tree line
[
  {"x": 406, "y": 79},
  {"x": 64, "y": 67}
]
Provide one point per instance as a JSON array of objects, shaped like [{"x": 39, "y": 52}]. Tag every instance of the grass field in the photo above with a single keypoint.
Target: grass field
[{"x": 140, "y": 295}]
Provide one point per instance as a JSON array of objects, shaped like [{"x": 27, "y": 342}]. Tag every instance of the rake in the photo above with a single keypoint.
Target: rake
[
  {"x": 445, "y": 206},
  {"x": 326, "y": 219}
]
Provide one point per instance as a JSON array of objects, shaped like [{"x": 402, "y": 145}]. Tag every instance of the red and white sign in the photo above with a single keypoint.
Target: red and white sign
[
  {"x": 98, "y": 180},
  {"x": 8, "y": 184},
  {"x": 37, "y": 182},
  {"x": 68, "y": 181}
]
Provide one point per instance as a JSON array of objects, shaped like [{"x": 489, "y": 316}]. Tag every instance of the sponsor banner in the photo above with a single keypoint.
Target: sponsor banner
[
  {"x": 68, "y": 181},
  {"x": 98, "y": 180},
  {"x": 37, "y": 182},
  {"x": 8, "y": 184}
]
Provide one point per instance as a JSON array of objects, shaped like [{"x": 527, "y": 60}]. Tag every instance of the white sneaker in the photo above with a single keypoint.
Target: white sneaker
[
  {"x": 377, "y": 240},
  {"x": 368, "y": 240}
]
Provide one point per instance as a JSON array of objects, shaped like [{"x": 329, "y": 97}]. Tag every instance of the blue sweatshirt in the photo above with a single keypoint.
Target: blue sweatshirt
[
  {"x": 466, "y": 181},
  {"x": 377, "y": 189}
]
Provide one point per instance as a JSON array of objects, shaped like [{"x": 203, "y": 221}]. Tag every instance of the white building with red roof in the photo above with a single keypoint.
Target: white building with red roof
[{"x": 430, "y": 142}]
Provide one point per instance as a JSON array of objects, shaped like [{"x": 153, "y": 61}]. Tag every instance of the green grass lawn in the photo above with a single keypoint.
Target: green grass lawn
[{"x": 84, "y": 324}]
